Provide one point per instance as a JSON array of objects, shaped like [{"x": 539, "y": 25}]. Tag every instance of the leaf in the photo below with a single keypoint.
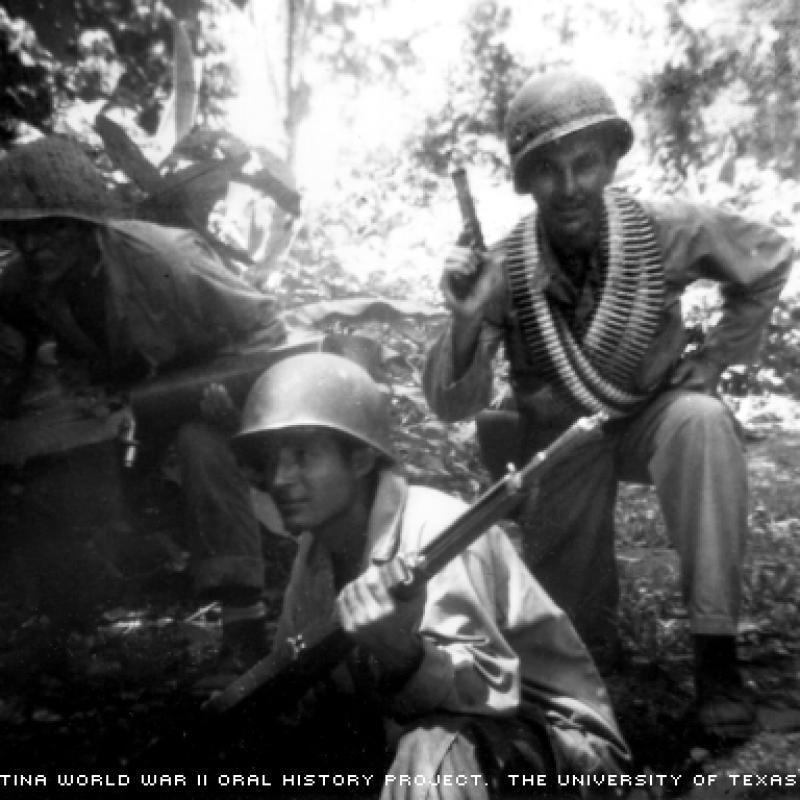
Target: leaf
[
  {"x": 276, "y": 179},
  {"x": 357, "y": 309},
  {"x": 185, "y": 86},
  {"x": 126, "y": 155},
  {"x": 186, "y": 197},
  {"x": 181, "y": 107}
]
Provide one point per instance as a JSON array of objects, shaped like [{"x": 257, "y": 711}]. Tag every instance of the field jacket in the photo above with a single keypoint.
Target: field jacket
[
  {"x": 749, "y": 261},
  {"x": 494, "y": 642}
]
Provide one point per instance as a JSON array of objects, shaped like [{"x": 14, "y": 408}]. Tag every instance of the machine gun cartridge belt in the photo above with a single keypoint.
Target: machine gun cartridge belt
[{"x": 598, "y": 371}]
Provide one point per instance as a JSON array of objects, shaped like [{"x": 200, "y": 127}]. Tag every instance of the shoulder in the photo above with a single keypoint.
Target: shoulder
[
  {"x": 434, "y": 504},
  {"x": 429, "y": 511},
  {"x": 152, "y": 232},
  {"x": 140, "y": 239},
  {"x": 676, "y": 214},
  {"x": 689, "y": 230}
]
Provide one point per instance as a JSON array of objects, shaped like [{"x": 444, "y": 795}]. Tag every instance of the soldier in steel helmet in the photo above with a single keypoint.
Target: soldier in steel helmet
[
  {"x": 584, "y": 294},
  {"x": 128, "y": 298},
  {"x": 478, "y": 675}
]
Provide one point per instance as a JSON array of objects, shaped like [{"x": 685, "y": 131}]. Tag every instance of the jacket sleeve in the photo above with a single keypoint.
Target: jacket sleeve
[
  {"x": 468, "y": 666},
  {"x": 452, "y": 399},
  {"x": 474, "y": 608},
  {"x": 750, "y": 261}
]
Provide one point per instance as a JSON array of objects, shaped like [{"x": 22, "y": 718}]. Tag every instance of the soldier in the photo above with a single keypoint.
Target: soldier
[
  {"x": 584, "y": 293},
  {"x": 477, "y": 677},
  {"x": 126, "y": 298}
]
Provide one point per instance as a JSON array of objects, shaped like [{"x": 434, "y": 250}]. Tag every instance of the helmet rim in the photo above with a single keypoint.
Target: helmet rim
[
  {"x": 553, "y": 105},
  {"x": 339, "y": 395},
  {"x": 521, "y": 161}
]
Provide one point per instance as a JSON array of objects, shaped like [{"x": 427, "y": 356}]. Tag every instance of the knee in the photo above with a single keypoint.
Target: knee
[{"x": 699, "y": 416}]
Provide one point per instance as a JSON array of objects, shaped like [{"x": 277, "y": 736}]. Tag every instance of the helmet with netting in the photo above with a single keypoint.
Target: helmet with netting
[
  {"x": 53, "y": 177},
  {"x": 553, "y": 105}
]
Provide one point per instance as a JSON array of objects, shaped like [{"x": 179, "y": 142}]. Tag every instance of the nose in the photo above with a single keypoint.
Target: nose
[
  {"x": 286, "y": 468},
  {"x": 27, "y": 242},
  {"x": 568, "y": 183}
]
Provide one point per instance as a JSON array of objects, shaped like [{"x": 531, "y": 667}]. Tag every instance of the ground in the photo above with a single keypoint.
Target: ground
[{"x": 100, "y": 642}]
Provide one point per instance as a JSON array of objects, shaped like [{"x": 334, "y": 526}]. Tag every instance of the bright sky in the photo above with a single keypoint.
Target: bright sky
[
  {"x": 340, "y": 125},
  {"x": 437, "y": 33},
  {"x": 344, "y": 127}
]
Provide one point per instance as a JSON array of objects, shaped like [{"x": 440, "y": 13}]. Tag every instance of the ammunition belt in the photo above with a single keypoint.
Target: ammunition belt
[{"x": 598, "y": 370}]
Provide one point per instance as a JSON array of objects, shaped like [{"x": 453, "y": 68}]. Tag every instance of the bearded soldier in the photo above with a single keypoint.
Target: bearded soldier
[{"x": 584, "y": 293}]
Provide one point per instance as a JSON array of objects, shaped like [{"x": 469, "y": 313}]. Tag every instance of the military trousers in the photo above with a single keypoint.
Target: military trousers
[
  {"x": 689, "y": 447},
  {"x": 223, "y": 532}
]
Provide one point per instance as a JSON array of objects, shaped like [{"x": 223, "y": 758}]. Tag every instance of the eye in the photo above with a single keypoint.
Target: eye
[
  {"x": 589, "y": 161},
  {"x": 543, "y": 168}
]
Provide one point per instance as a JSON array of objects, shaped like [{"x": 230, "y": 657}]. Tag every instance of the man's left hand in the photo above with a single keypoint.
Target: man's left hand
[
  {"x": 370, "y": 611},
  {"x": 697, "y": 373}
]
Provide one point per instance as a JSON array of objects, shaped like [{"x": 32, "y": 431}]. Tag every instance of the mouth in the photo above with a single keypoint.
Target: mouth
[
  {"x": 572, "y": 215},
  {"x": 290, "y": 507}
]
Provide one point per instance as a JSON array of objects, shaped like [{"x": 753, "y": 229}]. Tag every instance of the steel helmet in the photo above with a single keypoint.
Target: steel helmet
[
  {"x": 53, "y": 177},
  {"x": 553, "y": 105},
  {"x": 316, "y": 390}
]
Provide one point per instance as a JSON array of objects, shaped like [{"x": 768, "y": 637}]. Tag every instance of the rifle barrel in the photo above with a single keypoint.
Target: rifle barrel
[{"x": 329, "y": 644}]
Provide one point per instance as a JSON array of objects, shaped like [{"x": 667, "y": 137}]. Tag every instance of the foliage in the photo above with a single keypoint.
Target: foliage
[
  {"x": 115, "y": 50},
  {"x": 115, "y": 53},
  {"x": 29, "y": 74},
  {"x": 724, "y": 82},
  {"x": 479, "y": 91}
]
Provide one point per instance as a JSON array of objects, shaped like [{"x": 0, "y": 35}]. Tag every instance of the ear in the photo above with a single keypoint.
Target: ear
[{"x": 363, "y": 461}]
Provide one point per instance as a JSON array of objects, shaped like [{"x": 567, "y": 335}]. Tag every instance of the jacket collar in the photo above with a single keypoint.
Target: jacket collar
[{"x": 385, "y": 519}]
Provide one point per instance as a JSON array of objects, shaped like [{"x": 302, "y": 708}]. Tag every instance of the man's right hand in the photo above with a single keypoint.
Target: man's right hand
[{"x": 468, "y": 282}]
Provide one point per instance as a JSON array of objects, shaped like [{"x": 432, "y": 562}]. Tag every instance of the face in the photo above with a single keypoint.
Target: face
[
  {"x": 51, "y": 245},
  {"x": 567, "y": 178},
  {"x": 312, "y": 477}
]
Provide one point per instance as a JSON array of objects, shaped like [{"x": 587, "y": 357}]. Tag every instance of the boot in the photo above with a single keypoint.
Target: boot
[{"x": 724, "y": 711}]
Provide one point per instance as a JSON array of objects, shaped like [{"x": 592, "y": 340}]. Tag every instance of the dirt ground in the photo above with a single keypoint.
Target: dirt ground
[{"x": 100, "y": 642}]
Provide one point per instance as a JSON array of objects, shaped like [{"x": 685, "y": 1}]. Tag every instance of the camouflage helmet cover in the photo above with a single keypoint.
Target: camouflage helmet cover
[
  {"x": 553, "y": 105},
  {"x": 316, "y": 390},
  {"x": 53, "y": 177}
]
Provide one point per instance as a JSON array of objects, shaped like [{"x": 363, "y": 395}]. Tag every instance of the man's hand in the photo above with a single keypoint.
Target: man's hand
[
  {"x": 697, "y": 373},
  {"x": 217, "y": 407},
  {"x": 370, "y": 612},
  {"x": 468, "y": 282}
]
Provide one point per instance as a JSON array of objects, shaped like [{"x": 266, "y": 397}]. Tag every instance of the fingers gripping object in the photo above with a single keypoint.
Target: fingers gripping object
[{"x": 406, "y": 577}]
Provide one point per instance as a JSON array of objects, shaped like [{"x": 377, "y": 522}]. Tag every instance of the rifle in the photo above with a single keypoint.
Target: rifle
[
  {"x": 268, "y": 685},
  {"x": 166, "y": 401},
  {"x": 471, "y": 235},
  {"x": 270, "y": 688}
]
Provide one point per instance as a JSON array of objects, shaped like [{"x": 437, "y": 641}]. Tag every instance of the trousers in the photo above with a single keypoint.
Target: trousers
[
  {"x": 224, "y": 537},
  {"x": 689, "y": 447}
]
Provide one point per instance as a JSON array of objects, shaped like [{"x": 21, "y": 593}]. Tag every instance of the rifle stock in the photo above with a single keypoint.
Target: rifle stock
[{"x": 268, "y": 684}]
